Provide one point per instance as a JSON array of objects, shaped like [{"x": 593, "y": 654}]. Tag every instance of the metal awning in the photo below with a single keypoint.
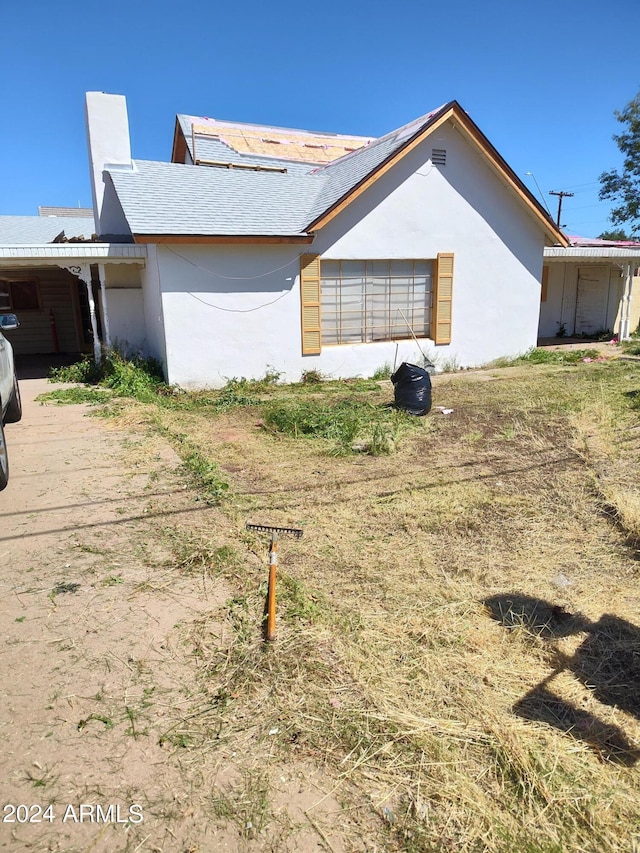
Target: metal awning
[
  {"x": 64, "y": 253},
  {"x": 591, "y": 253}
]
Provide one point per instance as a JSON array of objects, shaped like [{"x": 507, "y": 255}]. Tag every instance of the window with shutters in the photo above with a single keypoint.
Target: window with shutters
[{"x": 386, "y": 300}]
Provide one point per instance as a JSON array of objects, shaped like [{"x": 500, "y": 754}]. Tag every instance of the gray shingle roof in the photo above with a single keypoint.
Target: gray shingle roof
[
  {"x": 170, "y": 198},
  {"x": 344, "y": 174},
  {"x": 34, "y": 230}
]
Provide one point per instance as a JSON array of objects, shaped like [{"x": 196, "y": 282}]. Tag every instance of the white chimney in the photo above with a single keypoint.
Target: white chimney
[{"x": 109, "y": 143}]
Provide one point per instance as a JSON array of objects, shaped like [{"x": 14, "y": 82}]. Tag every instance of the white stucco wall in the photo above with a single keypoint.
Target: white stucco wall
[
  {"x": 560, "y": 304},
  {"x": 235, "y": 310},
  {"x": 126, "y": 319},
  {"x": 154, "y": 333}
]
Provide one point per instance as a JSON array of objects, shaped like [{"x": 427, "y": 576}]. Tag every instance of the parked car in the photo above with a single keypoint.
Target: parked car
[{"x": 10, "y": 404}]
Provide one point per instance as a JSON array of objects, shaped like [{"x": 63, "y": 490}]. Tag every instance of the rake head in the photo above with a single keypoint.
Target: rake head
[{"x": 281, "y": 531}]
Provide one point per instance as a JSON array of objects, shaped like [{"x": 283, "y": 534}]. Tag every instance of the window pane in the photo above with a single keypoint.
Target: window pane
[
  {"x": 330, "y": 269},
  {"x": 353, "y": 269},
  {"x": 375, "y": 300},
  {"x": 24, "y": 295}
]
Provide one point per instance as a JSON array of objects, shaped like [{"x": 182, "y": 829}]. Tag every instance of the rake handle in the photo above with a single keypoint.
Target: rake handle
[{"x": 271, "y": 595}]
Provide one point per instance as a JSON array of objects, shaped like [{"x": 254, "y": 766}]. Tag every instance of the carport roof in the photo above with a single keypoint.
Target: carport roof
[
  {"x": 55, "y": 253},
  {"x": 593, "y": 253}
]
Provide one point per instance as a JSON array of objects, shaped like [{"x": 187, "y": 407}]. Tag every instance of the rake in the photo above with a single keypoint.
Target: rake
[{"x": 270, "y": 631}]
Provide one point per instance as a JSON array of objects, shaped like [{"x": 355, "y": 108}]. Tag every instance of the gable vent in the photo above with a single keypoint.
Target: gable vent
[{"x": 439, "y": 156}]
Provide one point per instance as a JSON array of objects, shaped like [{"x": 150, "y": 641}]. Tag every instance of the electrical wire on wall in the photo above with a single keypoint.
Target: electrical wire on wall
[{"x": 295, "y": 261}]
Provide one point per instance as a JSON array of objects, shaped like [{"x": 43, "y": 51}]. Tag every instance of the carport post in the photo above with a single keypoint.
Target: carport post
[
  {"x": 83, "y": 272},
  {"x": 105, "y": 313},
  {"x": 625, "y": 313}
]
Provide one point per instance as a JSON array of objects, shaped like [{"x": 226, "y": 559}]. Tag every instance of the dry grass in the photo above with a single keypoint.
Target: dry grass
[{"x": 458, "y": 645}]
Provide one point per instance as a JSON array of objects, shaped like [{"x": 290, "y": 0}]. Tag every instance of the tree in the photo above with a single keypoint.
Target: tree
[
  {"x": 618, "y": 234},
  {"x": 623, "y": 188}
]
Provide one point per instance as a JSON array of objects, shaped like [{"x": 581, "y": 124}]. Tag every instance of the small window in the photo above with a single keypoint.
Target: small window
[
  {"x": 19, "y": 295},
  {"x": 24, "y": 296}
]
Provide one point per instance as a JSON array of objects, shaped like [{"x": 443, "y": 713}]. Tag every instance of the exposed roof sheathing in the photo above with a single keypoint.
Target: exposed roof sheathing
[{"x": 278, "y": 142}]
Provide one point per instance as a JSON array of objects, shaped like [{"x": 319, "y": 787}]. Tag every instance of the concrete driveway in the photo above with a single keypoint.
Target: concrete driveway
[{"x": 89, "y": 604}]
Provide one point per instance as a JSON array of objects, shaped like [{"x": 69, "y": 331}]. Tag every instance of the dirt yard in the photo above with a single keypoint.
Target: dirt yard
[{"x": 93, "y": 621}]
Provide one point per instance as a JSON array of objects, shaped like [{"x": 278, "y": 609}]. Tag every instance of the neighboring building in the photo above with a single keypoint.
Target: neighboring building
[
  {"x": 330, "y": 264},
  {"x": 590, "y": 287}
]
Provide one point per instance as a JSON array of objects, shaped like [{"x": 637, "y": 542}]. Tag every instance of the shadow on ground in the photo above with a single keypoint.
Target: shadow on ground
[
  {"x": 39, "y": 366},
  {"x": 607, "y": 662}
]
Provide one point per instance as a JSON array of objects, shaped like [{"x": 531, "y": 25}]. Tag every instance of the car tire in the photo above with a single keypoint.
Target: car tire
[
  {"x": 14, "y": 409},
  {"x": 4, "y": 460}
]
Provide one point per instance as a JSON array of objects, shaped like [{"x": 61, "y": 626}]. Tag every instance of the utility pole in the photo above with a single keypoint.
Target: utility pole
[{"x": 560, "y": 195}]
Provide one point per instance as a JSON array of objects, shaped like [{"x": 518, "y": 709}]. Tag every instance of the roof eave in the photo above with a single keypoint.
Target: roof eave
[{"x": 229, "y": 239}]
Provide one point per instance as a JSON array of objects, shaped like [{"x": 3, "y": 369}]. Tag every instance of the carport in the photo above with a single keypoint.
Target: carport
[
  {"x": 587, "y": 290},
  {"x": 70, "y": 298}
]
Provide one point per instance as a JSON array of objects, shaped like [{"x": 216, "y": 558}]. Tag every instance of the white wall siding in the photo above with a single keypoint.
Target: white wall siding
[
  {"x": 152, "y": 318},
  {"x": 126, "y": 319},
  {"x": 560, "y": 305},
  {"x": 230, "y": 311}
]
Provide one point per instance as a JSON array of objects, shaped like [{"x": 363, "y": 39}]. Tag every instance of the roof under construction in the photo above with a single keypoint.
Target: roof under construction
[{"x": 305, "y": 146}]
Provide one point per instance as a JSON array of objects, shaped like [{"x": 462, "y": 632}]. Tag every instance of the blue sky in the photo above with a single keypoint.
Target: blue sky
[{"x": 542, "y": 80}]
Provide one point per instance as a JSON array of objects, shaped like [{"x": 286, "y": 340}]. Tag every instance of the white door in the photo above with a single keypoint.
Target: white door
[{"x": 591, "y": 301}]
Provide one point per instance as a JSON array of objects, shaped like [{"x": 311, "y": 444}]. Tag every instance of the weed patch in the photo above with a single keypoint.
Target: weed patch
[
  {"x": 70, "y": 396},
  {"x": 140, "y": 378},
  {"x": 543, "y": 355},
  {"x": 347, "y": 425}
]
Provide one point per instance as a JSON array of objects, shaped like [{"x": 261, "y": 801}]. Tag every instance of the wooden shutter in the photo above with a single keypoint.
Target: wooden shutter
[
  {"x": 310, "y": 302},
  {"x": 545, "y": 284},
  {"x": 442, "y": 299}
]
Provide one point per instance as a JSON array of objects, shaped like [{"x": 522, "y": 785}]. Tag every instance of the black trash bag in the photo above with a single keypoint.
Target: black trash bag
[{"x": 412, "y": 389}]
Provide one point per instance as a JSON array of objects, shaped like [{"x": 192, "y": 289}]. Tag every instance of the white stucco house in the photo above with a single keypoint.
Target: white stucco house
[
  {"x": 261, "y": 247},
  {"x": 264, "y": 249},
  {"x": 589, "y": 287}
]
